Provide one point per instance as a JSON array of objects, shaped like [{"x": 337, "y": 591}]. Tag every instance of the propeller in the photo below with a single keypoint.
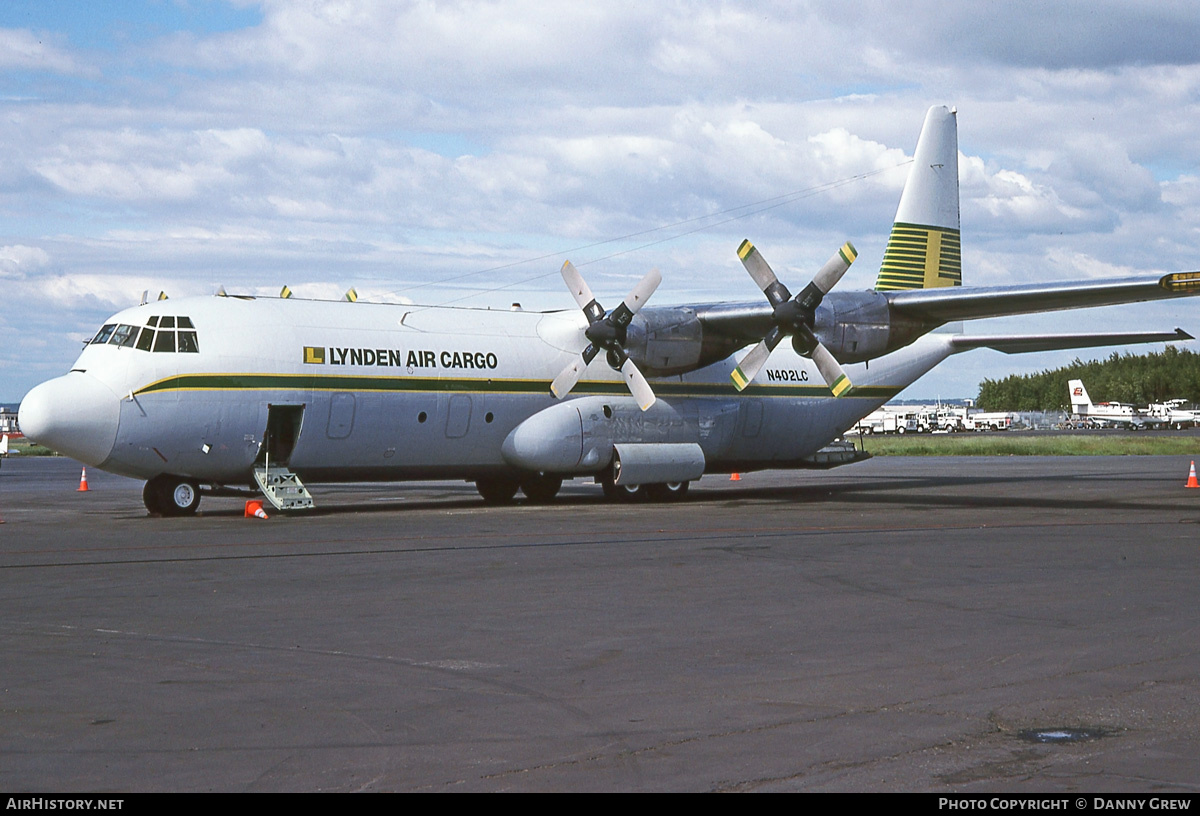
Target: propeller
[
  {"x": 794, "y": 316},
  {"x": 606, "y": 331}
]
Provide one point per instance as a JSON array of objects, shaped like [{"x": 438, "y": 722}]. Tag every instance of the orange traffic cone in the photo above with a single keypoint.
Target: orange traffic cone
[
  {"x": 1191, "y": 482},
  {"x": 83, "y": 488},
  {"x": 254, "y": 510},
  {"x": 735, "y": 477}
]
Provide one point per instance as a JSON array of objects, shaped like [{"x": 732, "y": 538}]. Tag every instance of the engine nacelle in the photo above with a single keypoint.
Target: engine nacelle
[
  {"x": 857, "y": 326},
  {"x": 578, "y": 436}
]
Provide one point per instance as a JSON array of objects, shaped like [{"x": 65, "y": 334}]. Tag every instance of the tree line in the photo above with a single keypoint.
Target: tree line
[{"x": 1134, "y": 378}]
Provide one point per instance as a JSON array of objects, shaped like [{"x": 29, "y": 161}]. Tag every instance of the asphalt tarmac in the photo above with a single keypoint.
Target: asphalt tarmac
[{"x": 1013, "y": 624}]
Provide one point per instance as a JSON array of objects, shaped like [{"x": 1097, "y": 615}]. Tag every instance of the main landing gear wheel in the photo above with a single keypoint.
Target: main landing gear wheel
[
  {"x": 497, "y": 490},
  {"x": 667, "y": 491},
  {"x": 167, "y": 495},
  {"x": 623, "y": 493},
  {"x": 541, "y": 488}
]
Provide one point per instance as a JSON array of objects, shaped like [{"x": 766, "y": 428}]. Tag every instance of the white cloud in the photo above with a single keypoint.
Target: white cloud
[
  {"x": 19, "y": 262},
  {"x": 21, "y": 49}
]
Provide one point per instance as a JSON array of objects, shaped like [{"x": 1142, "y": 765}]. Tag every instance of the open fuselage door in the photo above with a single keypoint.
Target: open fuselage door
[{"x": 282, "y": 488}]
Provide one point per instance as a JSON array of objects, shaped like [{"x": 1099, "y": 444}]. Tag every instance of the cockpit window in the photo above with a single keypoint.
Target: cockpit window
[
  {"x": 164, "y": 341},
  {"x": 124, "y": 335},
  {"x": 164, "y": 338},
  {"x": 187, "y": 342},
  {"x": 146, "y": 340}
]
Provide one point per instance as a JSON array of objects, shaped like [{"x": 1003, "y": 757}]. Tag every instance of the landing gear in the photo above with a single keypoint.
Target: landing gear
[
  {"x": 667, "y": 491},
  {"x": 541, "y": 488},
  {"x": 497, "y": 490},
  {"x": 622, "y": 493},
  {"x": 167, "y": 495},
  {"x": 660, "y": 492}
]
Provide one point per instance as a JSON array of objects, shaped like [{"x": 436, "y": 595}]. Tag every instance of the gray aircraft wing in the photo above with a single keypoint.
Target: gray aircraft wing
[
  {"x": 934, "y": 307},
  {"x": 963, "y": 303}
]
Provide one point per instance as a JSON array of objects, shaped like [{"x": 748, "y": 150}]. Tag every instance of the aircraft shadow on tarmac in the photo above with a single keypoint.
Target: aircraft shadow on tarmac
[{"x": 947, "y": 492}]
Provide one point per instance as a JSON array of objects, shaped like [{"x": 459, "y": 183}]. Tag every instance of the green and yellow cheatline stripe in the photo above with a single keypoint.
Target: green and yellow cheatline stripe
[{"x": 498, "y": 386}]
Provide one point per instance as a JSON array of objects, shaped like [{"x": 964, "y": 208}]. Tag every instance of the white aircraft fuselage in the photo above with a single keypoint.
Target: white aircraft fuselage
[{"x": 388, "y": 392}]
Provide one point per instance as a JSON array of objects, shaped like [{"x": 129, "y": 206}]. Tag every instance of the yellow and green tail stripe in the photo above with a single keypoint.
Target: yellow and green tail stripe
[{"x": 920, "y": 257}]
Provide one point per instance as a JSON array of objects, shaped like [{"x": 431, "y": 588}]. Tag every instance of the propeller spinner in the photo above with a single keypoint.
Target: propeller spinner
[
  {"x": 607, "y": 332},
  {"x": 794, "y": 316}
]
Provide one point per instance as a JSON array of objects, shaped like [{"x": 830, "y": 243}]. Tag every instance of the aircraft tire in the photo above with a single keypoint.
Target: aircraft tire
[
  {"x": 497, "y": 490},
  {"x": 173, "y": 495},
  {"x": 150, "y": 498},
  {"x": 667, "y": 491},
  {"x": 542, "y": 488},
  {"x": 625, "y": 494}
]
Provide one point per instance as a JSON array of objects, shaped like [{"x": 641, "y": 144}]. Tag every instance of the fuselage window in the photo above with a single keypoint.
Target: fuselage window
[
  {"x": 153, "y": 321},
  {"x": 164, "y": 341},
  {"x": 166, "y": 323},
  {"x": 104, "y": 333}
]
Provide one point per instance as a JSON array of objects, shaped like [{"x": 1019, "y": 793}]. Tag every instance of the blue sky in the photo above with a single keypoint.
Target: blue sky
[{"x": 442, "y": 151}]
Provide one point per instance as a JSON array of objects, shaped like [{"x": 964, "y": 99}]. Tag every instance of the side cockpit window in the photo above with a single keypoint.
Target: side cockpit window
[
  {"x": 168, "y": 334},
  {"x": 187, "y": 336}
]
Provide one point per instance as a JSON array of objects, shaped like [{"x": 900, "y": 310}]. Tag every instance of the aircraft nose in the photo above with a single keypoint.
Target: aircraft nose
[{"x": 75, "y": 415}]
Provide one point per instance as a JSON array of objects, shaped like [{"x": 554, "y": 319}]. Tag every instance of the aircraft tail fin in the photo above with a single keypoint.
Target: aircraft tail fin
[
  {"x": 923, "y": 251},
  {"x": 1081, "y": 403}
]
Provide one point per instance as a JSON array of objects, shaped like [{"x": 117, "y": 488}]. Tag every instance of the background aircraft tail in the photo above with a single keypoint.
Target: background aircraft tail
[
  {"x": 1081, "y": 403},
  {"x": 923, "y": 251}
]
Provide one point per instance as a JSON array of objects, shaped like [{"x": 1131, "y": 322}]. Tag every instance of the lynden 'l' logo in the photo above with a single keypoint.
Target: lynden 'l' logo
[{"x": 314, "y": 354}]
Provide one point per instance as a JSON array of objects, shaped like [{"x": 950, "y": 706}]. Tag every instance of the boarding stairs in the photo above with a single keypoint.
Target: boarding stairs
[{"x": 283, "y": 489}]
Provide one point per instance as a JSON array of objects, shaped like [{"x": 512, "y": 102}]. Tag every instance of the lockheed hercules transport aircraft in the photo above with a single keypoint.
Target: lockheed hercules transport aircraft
[{"x": 225, "y": 395}]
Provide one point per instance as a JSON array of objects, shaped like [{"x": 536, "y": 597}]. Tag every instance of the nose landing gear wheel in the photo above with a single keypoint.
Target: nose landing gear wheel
[
  {"x": 168, "y": 495},
  {"x": 542, "y": 488}
]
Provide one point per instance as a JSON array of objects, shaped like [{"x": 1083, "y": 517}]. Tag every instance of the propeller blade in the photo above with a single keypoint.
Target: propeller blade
[
  {"x": 637, "y": 385},
  {"x": 568, "y": 378},
  {"x": 756, "y": 265},
  {"x": 577, "y": 285},
  {"x": 638, "y": 296},
  {"x": 622, "y": 316},
  {"x": 750, "y": 365},
  {"x": 835, "y": 267},
  {"x": 831, "y": 370}
]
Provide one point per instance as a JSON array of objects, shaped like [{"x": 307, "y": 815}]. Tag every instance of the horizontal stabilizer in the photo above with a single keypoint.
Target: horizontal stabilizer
[{"x": 1022, "y": 344}]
